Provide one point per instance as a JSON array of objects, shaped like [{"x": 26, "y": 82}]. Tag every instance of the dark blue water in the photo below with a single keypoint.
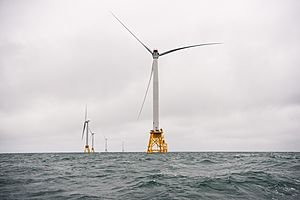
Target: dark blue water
[{"x": 155, "y": 176}]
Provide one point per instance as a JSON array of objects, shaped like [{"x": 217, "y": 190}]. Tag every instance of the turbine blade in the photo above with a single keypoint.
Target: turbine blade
[
  {"x": 83, "y": 130},
  {"x": 85, "y": 113},
  {"x": 177, "y": 49},
  {"x": 91, "y": 131},
  {"x": 146, "y": 93},
  {"x": 132, "y": 33}
]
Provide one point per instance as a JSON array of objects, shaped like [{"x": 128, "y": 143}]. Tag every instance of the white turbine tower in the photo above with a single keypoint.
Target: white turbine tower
[
  {"x": 93, "y": 137},
  {"x": 86, "y": 129},
  {"x": 156, "y": 141},
  {"x": 105, "y": 144}
]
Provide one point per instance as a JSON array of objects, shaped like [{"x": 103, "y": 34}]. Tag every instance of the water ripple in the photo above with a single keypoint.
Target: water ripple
[{"x": 142, "y": 176}]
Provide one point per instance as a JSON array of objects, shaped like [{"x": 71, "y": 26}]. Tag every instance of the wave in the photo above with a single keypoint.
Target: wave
[{"x": 143, "y": 176}]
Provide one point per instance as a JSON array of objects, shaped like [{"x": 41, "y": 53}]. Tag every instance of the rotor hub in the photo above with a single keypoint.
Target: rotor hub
[{"x": 155, "y": 54}]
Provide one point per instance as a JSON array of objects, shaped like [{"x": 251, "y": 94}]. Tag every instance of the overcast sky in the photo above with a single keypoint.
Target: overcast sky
[{"x": 58, "y": 56}]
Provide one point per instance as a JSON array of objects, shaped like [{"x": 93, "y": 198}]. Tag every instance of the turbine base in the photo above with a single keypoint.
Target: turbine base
[
  {"x": 157, "y": 142},
  {"x": 87, "y": 149}
]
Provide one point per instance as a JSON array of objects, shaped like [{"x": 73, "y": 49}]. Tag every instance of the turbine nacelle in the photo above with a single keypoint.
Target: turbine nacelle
[{"x": 155, "y": 54}]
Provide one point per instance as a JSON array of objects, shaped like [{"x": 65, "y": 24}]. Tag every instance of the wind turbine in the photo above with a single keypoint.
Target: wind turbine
[
  {"x": 92, "y": 135},
  {"x": 105, "y": 144},
  {"x": 156, "y": 142},
  {"x": 86, "y": 129}
]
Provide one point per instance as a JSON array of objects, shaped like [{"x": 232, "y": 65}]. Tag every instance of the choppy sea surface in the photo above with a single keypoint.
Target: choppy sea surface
[{"x": 213, "y": 175}]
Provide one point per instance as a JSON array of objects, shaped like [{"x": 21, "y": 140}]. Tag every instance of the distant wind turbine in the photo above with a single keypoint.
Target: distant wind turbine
[
  {"x": 156, "y": 141},
  {"x": 93, "y": 136},
  {"x": 105, "y": 144},
  {"x": 86, "y": 130}
]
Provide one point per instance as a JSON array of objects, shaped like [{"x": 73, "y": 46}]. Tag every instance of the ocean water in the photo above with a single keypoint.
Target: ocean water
[{"x": 150, "y": 176}]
